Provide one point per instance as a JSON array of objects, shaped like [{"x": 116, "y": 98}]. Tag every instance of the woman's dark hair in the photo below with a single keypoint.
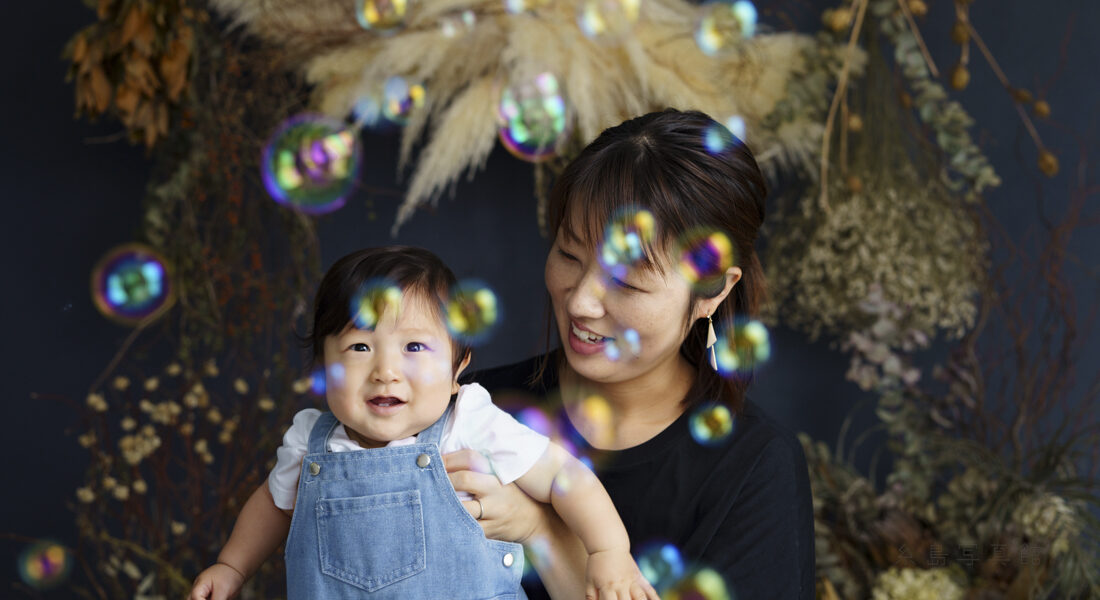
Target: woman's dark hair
[
  {"x": 692, "y": 175},
  {"x": 413, "y": 270}
]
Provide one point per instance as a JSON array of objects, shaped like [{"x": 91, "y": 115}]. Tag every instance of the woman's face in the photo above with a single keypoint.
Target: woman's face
[{"x": 615, "y": 329}]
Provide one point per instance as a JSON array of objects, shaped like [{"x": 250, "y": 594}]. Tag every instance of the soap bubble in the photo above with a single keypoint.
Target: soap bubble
[
  {"x": 627, "y": 343},
  {"x": 534, "y": 118},
  {"x": 702, "y": 584},
  {"x": 718, "y": 139},
  {"x": 661, "y": 564},
  {"x": 310, "y": 163},
  {"x": 742, "y": 348},
  {"x": 458, "y": 23},
  {"x": 592, "y": 419},
  {"x": 711, "y": 424},
  {"x": 625, "y": 240},
  {"x": 317, "y": 383},
  {"x": 722, "y": 24},
  {"x": 381, "y": 15},
  {"x": 400, "y": 98},
  {"x": 472, "y": 311},
  {"x": 373, "y": 299},
  {"x": 607, "y": 21},
  {"x": 45, "y": 565},
  {"x": 704, "y": 256},
  {"x": 132, "y": 283}
]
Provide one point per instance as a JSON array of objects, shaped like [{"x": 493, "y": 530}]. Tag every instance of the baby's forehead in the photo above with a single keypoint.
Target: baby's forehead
[{"x": 417, "y": 310}]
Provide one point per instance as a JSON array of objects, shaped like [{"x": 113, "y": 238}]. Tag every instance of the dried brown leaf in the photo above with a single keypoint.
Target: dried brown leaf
[
  {"x": 135, "y": 20},
  {"x": 100, "y": 88}
]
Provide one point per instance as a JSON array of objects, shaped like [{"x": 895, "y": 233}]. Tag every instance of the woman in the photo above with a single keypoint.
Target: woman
[{"x": 634, "y": 332}]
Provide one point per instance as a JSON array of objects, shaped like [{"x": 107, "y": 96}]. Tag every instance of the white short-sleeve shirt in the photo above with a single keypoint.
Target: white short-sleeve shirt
[{"x": 511, "y": 447}]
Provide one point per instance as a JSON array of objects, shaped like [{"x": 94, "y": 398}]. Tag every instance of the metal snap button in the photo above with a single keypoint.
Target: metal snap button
[
  {"x": 509, "y": 559},
  {"x": 314, "y": 468},
  {"x": 423, "y": 461}
]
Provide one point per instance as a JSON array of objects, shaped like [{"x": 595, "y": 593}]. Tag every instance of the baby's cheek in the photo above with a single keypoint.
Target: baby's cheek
[{"x": 429, "y": 370}]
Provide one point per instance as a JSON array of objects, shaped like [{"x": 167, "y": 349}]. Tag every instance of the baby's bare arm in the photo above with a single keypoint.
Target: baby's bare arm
[
  {"x": 578, "y": 497},
  {"x": 260, "y": 528}
]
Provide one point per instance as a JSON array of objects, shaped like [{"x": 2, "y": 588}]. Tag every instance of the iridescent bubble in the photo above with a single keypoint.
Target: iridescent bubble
[
  {"x": 472, "y": 311},
  {"x": 373, "y": 299},
  {"x": 317, "y": 383},
  {"x": 381, "y": 15},
  {"x": 367, "y": 111},
  {"x": 627, "y": 343},
  {"x": 132, "y": 283},
  {"x": 742, "y": 348},
  {"x": 702, "y": 584},
  {"x": 456, "y": 24},
  {"x": 711, "y": 424},
  {"x": 723, "y": 24},
  {"x": 625, "y": 240},
  {"x": 400, "y": 98},
  {"x": 536, "y": 419},
  {"x": 45, "y": 565},
  {"x": 718, "y": 139},
  {"x": 592, "y": 419},
  {"x": 310, "y": 163},
  {"x": 704, "y": 256},
  {"x": 534, "y": 119},
  {"x": 607, "y": 21},
  {"x": 661, "y": 564},
  {"x": 334, "y": 375}
]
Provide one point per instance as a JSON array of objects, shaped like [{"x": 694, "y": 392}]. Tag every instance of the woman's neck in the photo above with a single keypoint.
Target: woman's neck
[{"x": 640, "y": 408}]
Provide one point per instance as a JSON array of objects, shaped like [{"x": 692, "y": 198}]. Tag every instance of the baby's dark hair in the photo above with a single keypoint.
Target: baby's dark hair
[{"x": 413, "y": 270}]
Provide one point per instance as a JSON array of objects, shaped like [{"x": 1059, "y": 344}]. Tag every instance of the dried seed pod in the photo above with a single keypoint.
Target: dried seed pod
[
  {"x": 1041, "y": 108},
  {"x": 855, "y": 123},
  {"x": 960, "y": 34},
  {"x": 1048, "y": 163},
  {"x": 918, "y": 8},
  {"x": 960, "y": 77},
  {"x": 1021, "y": 95}
]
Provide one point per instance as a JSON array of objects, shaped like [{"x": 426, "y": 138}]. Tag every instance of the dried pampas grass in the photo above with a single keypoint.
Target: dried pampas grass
[{"x": 658, "y": 66}]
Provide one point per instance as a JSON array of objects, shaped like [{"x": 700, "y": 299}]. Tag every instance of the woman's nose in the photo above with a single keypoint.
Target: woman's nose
[{"x": 586, "y": 298}]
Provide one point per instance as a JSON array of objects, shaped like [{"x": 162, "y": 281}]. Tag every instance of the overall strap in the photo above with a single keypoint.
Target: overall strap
[
  {"x": 434, "y": 433},
  {"x": 322, "y": 429}
]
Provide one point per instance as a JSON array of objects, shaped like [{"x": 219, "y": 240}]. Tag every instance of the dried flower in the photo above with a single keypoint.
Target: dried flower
[
  {"x": 1041, "y": 108},
  {"x": 121, "y": 383},
  {"x": 139, "y": 486},
  {"x": 266, "y": 404},
  {"x": 214, "y": 415},
  {"x": 302, "y": 385},
  {"x": 121, "y": 492},
  {"x": 178, "y": 528},
  {"x": 87, "y": 439},
  {"x": 210, "y": 368},
  {"x": 85, "y": 495},
  {"x": 96, "y": 402},
  {"x": 109, "y": 482},
  {"x": 916, "y": 584},
  {"x": 151, "y": 384},
  {"x": 173, "y": 369},
  {"x": 128, "y": 424},
  {"x": 187, "y": 429},
  {"x": 241, "y": 386},
  {"x": 131, "y": 570}
]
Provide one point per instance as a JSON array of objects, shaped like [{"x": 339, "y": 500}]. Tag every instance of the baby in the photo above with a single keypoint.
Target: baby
[{"x": 362, "y": 489}]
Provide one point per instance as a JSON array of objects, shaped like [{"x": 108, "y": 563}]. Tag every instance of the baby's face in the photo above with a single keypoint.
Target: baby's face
[{"x": 392, "y": 382}]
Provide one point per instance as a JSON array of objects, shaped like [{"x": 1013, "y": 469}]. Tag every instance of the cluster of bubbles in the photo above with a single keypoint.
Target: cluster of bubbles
[
  {"x": 664, "y": 567},
  {"x": 381, "y": 15},
  {"x": 132, "y": 283},
  {"x": 625, "y": 240},
  {"x": 534, "y": 119},
  {"x": 310, "y": 163},
  {"x": 473, "y": 312},
  {"x": 627, "y": 343},
  {"x": 400, "y": 98},
  {"x": 742, "y": 348},
  {"x": 45, "y": 565},
  {"x": 719, "y": 138},
  {"x": 703, "y": 257},
  {"x": 711, "y": 424},
  {"x": 607, "y": 21},
  {"x": 455, "y": 24},
  {"x": 723, "y": 24},
  {"x": 374, "y": 299}
]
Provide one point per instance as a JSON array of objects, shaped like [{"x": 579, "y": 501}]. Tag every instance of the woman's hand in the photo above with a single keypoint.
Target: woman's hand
[{"x": 507, "y": 513}]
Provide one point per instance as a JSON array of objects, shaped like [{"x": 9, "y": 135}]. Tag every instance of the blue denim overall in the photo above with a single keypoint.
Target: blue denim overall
[{"x": 386, "y": 523}]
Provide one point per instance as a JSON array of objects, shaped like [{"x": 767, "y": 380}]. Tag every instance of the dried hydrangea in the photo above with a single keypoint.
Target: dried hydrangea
[
  {"x": 1048, "y": 517},
  {"x": 916, "y": 584},
  {"x": 909, "y": 239}
]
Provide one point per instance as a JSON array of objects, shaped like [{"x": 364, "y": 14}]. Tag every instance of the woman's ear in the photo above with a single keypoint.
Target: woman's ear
[
  {"x": 706, "y": 306},
  {"x": 461, "y": 367}
]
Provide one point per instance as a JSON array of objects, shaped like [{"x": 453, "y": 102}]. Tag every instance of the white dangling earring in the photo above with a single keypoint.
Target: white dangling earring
[{"x": 711, "y": 339}]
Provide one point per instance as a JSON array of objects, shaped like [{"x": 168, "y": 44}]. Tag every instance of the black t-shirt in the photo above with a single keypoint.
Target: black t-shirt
[{"x": 742, "y": 507}]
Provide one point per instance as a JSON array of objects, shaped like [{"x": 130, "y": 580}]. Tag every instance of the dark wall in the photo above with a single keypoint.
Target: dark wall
[{"x": 71, "y": 196}]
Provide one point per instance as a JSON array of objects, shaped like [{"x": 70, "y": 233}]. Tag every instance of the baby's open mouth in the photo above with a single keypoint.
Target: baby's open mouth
[{"x": 386, "y": 401}]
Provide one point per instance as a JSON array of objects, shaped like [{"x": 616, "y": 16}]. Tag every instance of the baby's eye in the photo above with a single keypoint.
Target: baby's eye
[
  {"x": 415, "y": 347},
  {"x": 359, "y": 347}
]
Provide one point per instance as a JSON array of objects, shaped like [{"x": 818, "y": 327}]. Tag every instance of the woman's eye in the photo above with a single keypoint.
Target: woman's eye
[
  {"x": 415, "y": 347},
  {"x": 567, "y": 256},
  {"x": 359, "y": 347},
  {"x": 622, "y": 284}
]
